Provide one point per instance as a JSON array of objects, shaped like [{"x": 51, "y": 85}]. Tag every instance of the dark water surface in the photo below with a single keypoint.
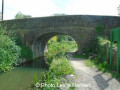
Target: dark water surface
[{"x": 20, "y": 77}]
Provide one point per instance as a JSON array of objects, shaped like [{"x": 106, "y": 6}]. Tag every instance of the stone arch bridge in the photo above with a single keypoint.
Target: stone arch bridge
[{"x": 35, "y": 32}]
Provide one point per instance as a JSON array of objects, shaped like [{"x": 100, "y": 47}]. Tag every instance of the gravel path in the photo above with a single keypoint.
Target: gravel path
[{"x": 92, "y": 79}]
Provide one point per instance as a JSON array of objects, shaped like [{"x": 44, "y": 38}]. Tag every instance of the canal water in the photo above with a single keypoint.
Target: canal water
[{"x": 21, "y": 77}]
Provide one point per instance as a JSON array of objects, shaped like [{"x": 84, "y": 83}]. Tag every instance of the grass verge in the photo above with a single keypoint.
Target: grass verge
[
  {"x": 54, "y": 77},
  {"x": 103, "y": 67}
]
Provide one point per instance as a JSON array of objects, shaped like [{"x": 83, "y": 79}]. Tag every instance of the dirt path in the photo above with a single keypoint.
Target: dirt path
[{"x": 92, "y": 79}]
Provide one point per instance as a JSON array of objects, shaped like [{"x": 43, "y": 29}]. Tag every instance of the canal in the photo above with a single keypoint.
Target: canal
[{"x": 21, "y": 77}]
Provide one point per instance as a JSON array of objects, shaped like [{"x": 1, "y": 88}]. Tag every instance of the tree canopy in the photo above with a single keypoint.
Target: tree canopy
[
  {"x": 59, "y": 14},
  {"x": 20, "y": 15}
]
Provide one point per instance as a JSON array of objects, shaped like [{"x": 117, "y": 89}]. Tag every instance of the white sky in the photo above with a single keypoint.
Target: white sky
[{"x": 39, "y": 8}]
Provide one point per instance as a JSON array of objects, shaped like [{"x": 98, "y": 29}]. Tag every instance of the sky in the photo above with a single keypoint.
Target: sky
[{"x": 41, "y": 8}]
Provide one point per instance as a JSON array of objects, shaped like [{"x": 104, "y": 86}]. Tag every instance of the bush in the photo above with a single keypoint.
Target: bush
[
  {"x": 9, "y": 51},
  {"x": 25, "y": 51},
  {"x": 99, "y": 48},
  {"x": 63, "y": 67},
  {"x": 59, "y": 67},
  {"x": 58, "y": 49}
]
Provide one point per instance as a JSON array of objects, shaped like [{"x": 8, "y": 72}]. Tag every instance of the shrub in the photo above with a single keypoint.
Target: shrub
[
  {"x": 99, "y": 48},
  {"x": 63, "y": 67},
  {"x": 58, "y": 49},
  {"x": 59, "y": 67},
  {"x": 25, "y": 51},
  {"x": 9, "y": 51}
]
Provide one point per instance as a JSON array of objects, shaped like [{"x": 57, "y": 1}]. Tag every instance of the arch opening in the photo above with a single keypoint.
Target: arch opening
[{"x": 40, "y": 46}]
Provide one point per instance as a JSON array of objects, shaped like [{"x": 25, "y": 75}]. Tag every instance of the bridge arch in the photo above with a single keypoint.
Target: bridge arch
[
  {"x": 38, "y": 46},
  {"x": 36, "y": 31}
]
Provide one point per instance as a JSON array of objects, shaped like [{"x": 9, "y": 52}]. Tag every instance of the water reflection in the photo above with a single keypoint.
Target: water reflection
[
  {"x": 37, "y": 63},
  {"x": 22, "y": 76}
]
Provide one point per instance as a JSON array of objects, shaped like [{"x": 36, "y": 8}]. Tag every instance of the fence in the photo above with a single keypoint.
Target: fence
[{"x": 115, "y": 37}]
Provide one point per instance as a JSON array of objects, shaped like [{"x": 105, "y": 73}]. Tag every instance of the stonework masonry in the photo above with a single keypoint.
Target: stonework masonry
[{"x": 35, "y": 32}]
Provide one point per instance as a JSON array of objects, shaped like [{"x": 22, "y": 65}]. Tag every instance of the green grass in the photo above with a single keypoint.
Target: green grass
[
  {"x": 103, "y": 67},
  {"x": 89, "y": 63},
  {"x": 98, "y": 48},
  {"x": 36, "y": 79}
]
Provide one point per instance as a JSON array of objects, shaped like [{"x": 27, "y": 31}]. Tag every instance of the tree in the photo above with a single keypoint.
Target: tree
[
  {"x": 59, "y": 14},
  {"x": 118, "y": 8},
  {"x": 20, "y": 15}
]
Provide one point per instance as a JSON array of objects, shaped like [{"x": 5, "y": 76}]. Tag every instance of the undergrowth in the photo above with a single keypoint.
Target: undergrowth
[
  {"x": 59, "y": 65},
  {"x": 103, "y": 67},
  {"x": 98, "y": 57},
  {"x": 9, "y": 51},
  {"x": 25, "y": 51}
]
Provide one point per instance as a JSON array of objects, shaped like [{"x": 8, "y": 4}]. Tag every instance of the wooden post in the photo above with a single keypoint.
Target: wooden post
[
  {"x": 107, "y": 51},
  {"x": 111, "y": 47}
]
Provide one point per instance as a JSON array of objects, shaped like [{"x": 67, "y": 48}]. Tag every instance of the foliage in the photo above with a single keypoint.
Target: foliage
[
  {"x": 103, "y": 67},
  {"x": 59, "y": 64},
  {"x": 25, "y": 51},
  {"x": 100, "y": 48},
  {"x": 57, "y": 49},
  {"x": 59, "y": 14},
  {"x": 100, "y": 29},
  {"x": 63, "y": 67},
  {"x": 9, "y": 51},
  {"x": 36, "y": 79},
  {"x": 20, "y": 15},
  {"x": 89, "y": 63},
  {"x": 64, "y": 38},
  {"x": 59, "y": 67},
  {"x": 55, "y": 38},
  {"x": 95, "y": 63}
]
